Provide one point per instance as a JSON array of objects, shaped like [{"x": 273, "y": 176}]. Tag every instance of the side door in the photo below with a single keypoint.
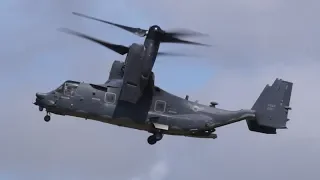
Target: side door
[
  {"x": 82, "y": 99},
  {"x": 93, "y": 102},
  {"x": 96, "y": 102}
]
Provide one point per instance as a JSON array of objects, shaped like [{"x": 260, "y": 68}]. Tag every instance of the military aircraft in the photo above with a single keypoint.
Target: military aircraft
[{"x": 130, "y": 98}]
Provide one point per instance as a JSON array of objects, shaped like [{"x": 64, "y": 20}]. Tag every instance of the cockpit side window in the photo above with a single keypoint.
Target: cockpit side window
[
  {"x": 70, "y": 88},
  {"x": 60, "y": 89}
]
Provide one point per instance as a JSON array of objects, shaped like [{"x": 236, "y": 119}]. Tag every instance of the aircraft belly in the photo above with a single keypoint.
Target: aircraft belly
[
  {"x": 188, "y": 121},
  {"x": 108, "y": 109},
  {"x": 128, "y": 123}
]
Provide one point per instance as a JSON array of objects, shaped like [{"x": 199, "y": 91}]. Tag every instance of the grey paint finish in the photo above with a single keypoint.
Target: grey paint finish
[
  {"x": 131, "y": 99},
  {"x": 178, "y": 115},
  {"x": 136, "y": 72}
]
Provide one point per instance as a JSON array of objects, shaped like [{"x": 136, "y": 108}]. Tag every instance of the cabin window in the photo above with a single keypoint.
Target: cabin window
[
  {"x": 110, "y": 97},
  {"x": 70, "y": 88},
  {"x": 160, "y": 106}
]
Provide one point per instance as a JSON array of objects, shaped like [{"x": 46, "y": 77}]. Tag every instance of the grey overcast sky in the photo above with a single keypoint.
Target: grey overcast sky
[{"x": 254, "y": 42}]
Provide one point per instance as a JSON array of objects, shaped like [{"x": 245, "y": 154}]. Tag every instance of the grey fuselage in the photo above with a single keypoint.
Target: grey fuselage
[{"x": 159, "y": 110}]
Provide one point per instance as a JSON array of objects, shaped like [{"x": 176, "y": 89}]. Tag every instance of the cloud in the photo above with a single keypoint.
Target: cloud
[
  {"x": 245, "y": 33},
  {"x": 38, "y": 58},
  {"x": 158, "y": 171},
  {"x": 254, "y": 42}
]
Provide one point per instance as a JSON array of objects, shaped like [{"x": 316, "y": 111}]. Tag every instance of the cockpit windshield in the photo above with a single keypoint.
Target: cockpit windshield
[{"x": 68, "y": 88}]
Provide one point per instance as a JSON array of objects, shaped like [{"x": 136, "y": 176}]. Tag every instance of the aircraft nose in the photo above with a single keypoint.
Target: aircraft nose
[{"x": 40, "y": 95}]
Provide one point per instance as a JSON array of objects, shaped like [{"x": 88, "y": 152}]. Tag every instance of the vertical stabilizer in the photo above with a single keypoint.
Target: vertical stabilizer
[{"x": 271, "y": 108}]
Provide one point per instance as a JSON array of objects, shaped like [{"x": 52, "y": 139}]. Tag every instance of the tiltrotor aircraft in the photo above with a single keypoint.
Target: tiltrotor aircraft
[{"x": 129, "y": 98}]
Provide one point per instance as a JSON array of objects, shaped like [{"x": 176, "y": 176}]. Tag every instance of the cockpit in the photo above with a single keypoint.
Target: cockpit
[{"x": 68, "y": 88}]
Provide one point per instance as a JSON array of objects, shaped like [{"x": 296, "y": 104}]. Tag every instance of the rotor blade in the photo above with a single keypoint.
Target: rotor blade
[
  {"x": 184, "y": 32},
  {"x": 115, "y": 47},
  {"x": 171, "y": 39},
  {"x": 136, "y": 31},
  {"x": 171, "y": 54}
]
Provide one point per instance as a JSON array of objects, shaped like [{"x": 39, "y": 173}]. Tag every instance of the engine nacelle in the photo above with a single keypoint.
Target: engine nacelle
[
  {"x": 134, "y": 83},
  {"x": 117, "y": 70}
]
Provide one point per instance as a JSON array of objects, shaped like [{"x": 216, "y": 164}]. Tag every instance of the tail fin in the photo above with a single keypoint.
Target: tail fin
[{"x": 271, "y": 108}]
